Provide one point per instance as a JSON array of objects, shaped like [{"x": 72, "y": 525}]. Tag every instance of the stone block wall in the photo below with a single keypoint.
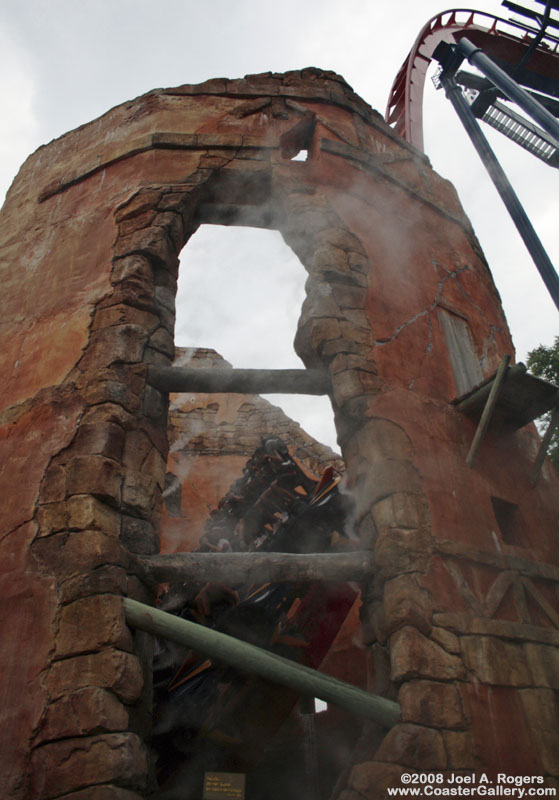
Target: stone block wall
[{"x": 460, "y": 613}]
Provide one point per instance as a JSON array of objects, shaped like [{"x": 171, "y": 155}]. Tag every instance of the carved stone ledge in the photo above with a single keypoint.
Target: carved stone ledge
[
  {"x": 468, "y": 624},
  {"x": 379, "y": 164},
  {"x": 532, "y": 569},
  {"x": 150, "y": 141}
]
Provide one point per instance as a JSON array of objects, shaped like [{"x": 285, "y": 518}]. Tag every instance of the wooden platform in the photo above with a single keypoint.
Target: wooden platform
[{"x": 522, "y": 398}]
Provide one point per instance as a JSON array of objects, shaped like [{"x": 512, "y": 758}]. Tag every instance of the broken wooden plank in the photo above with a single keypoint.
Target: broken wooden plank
[
  {"x": 485, "y": 419},
  {"x": 463, "y": 357},
  {"x": 254, "y": 660},
  {"x": 240, "y": 381},
  {"x": 234, "y": 568}
]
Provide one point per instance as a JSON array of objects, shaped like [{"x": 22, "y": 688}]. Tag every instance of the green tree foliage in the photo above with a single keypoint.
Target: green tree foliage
[{"x": 544, "y": 363}]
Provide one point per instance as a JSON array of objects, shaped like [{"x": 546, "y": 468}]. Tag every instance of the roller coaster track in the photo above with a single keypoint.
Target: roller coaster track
[{"x": 503, "y": 41}]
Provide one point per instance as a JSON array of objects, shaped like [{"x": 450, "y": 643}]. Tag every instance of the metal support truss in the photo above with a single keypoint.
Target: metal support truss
[{"x": 450, "y": 58}]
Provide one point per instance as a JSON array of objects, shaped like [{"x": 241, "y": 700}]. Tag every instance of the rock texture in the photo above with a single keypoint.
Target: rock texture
[{"x": 90, "y": 236}]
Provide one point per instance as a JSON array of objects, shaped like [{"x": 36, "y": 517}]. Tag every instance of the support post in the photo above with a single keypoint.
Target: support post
[
  {"x": 485, "y": 418},
  {"x": 240, "y": 381},
  {"x": 553, "y": 423},
  {"x": 255, "y": 661},
  {"x": 235, "y": 568}
]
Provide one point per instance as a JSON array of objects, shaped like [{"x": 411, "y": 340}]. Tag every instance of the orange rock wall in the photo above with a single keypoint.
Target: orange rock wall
[{"x": 460, "y": 618}]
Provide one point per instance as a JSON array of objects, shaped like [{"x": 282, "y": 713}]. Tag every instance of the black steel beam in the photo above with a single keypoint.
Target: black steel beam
[
  {"x": 471, "y": 81},
  {"x": 508, "y": 86},
  {"x": 527, "y": 12},
  {"x": 502, "y": 183}
]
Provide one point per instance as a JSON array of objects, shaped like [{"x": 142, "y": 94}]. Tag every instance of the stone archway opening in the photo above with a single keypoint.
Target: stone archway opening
[
  {"x": 284, "y": 744},
  {"x": 240, "y": 292}
]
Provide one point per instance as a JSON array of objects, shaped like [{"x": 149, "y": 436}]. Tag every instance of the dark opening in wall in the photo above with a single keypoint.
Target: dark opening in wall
[
  {"x": 508, "y": 520},
  {"x": 302, "y": 155},
  {"x": 296, "y": 143}
]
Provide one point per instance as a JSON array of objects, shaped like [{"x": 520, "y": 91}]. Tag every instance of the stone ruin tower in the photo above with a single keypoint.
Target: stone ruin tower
[{"x": 459, "y": 612}]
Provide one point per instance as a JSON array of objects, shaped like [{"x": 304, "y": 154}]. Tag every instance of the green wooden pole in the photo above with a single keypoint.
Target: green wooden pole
[
  {"x": 546, "y": 441},
  {"x": 256, "y": 661},
  {"x": 487, "y": 413}
]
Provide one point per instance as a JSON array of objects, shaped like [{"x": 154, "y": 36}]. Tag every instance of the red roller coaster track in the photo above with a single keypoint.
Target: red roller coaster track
[{"x": 505, "y": 42}]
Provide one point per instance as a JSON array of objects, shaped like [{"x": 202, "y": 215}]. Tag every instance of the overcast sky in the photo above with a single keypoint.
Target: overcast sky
[{"x": 65, "y": 62}]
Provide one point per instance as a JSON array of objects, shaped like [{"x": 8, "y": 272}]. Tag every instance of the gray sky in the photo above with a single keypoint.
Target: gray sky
[{"x": 65, "y": 62}]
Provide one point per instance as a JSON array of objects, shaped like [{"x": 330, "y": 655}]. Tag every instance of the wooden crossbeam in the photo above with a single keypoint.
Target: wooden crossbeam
[
  {"x": 254, "y": 660},
  {"x": 240, "y": 381},
  {"x": 236, "y": 568}
]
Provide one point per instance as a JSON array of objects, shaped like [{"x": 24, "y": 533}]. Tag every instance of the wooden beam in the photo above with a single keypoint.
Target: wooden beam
[
  {"x": 254, "y": 660},
  {"x": 240, "y": 381},
  {"x": 546, "y": 441},
  {"x": 485, "y": 419},
  {"x": 237, "y": 568}
]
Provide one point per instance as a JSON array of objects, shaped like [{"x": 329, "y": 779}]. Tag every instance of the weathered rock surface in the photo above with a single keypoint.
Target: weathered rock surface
[{"x": 95, "y": 223}]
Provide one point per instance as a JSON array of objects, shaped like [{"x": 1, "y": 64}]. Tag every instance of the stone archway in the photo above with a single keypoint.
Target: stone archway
[{"x": 113, "y": 470}]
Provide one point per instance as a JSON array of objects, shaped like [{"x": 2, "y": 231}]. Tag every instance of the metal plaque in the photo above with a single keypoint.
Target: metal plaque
[{"x": 224, "y": 786}]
